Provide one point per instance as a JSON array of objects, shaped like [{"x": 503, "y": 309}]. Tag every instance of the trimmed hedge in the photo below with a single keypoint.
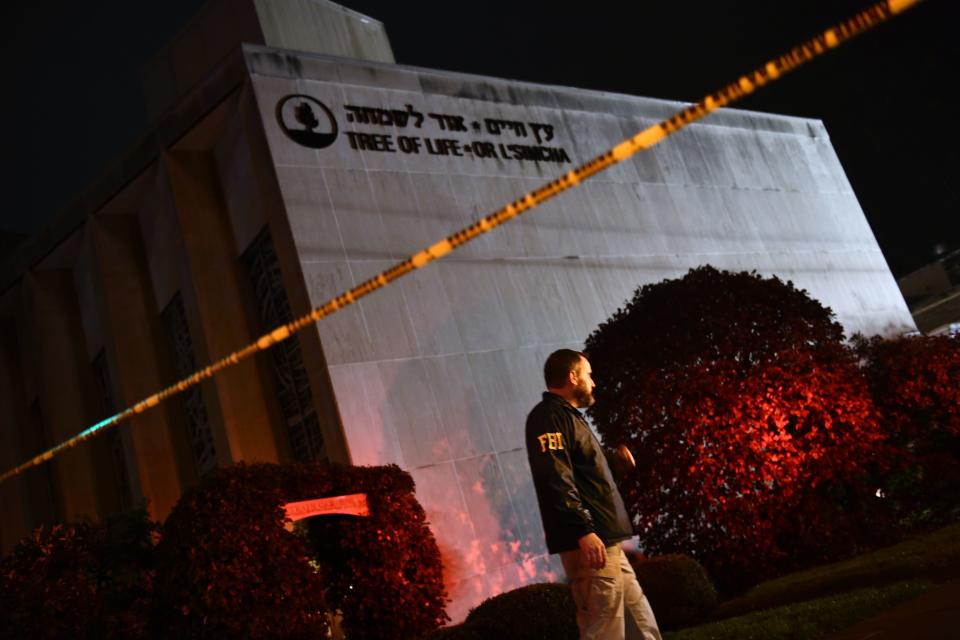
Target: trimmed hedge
[
  {"x": 678, "y": 587},
  {"x": 229, "y": 568},
  {"x": 536, "y": 612},
  {"x": 914, "y": 382},
  {"x": 742, "y": 405},
  {"x": 460, "y": 632},
  {"x": 383, "y": 572},
  {"x": 81, "y": 580}
]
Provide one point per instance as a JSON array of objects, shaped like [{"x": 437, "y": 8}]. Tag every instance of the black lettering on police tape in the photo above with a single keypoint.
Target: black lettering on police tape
[{"x": 398, "y": 270}]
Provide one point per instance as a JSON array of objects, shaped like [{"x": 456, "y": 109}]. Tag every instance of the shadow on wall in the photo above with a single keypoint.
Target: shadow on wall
[{"x": 507, "y": 485}]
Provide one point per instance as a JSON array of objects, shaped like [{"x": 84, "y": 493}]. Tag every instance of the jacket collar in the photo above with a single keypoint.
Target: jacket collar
[{"x": 549, "y": 396}]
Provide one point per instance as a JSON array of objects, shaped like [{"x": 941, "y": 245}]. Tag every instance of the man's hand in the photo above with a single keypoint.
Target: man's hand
[
  {"x": 621, "y": 461},
  {"x": 593, "y": 550},
  {"x": 625, "y": 458}
]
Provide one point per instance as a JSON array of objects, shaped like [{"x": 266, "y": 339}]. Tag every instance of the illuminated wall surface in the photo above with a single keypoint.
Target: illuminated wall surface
[{"x": 282, "y": 179}]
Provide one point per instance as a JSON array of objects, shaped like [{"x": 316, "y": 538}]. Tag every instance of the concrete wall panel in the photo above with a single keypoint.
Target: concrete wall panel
[
  {"x": 374, "y": 438},
  {"x": 158, "y": 455},
  {"x": 314, "y": 226}
]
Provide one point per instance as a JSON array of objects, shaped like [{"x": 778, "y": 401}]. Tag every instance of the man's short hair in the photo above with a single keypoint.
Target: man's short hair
[{"x": 558, "y": 365}]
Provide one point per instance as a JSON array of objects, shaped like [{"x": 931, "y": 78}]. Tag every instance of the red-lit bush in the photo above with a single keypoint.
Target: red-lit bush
[
  {"x": 228, "y": 567},
  {"x": 383, "y": 572},
  {"x": 81, "y": 580},
  {"x": 915, "y": 383},
  {"x": 742, "y": 405}
]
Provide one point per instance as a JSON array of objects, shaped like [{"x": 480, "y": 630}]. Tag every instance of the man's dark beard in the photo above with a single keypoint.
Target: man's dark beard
[{"x": 583, "y": 397}]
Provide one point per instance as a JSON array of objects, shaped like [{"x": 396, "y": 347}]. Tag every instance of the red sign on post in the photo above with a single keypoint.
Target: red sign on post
[{"x": 354, "y": 504}]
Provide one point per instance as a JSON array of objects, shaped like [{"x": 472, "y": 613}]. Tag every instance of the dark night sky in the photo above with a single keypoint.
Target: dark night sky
[{"x": 74, "y": 101}]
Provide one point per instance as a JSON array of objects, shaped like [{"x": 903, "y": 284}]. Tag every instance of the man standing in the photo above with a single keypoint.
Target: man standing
[{"x": 583, "y": 514}]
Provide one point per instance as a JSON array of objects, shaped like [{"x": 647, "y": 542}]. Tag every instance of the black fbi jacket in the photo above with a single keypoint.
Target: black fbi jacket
[{"x": 575, "y": 488}]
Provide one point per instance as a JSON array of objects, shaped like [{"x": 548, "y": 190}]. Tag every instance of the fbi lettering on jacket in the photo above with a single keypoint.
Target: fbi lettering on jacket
[{"x": 552, "y": 441}]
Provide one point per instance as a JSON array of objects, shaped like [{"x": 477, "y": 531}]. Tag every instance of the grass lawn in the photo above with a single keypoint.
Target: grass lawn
[
  {"x": 817, "y": 602},
  {"x": 932, "y": 556},
  {"x": 806, "y": 620}
]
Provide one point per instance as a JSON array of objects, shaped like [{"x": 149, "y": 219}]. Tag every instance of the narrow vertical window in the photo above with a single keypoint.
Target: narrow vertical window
[
  {"x": 174, "y": 318},
  {"x": 290, "y": 375},
  {"x": 101, "y": 372}
]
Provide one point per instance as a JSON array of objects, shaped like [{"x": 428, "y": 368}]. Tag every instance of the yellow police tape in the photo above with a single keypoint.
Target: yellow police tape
[{"x": 769, "y": 72}]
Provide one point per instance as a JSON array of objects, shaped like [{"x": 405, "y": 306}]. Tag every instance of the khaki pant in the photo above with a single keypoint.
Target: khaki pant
[{"x": 604, "y": 596}]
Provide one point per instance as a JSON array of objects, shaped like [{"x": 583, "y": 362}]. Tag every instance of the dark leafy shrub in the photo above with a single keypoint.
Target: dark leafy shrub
[
  {"x": 539, "y": 611},
  {"x": 678, "y": 588},
  {"x": 741, "y": 403},
  {"x": 460, "y": 632},
  {"x": 383, "y": 572},
  {"x": 230, "y": 568},
  {"x": 83, "y": 580},
  {"x": 915, "y": 382},
  {"x": 227, "y": 568}
]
